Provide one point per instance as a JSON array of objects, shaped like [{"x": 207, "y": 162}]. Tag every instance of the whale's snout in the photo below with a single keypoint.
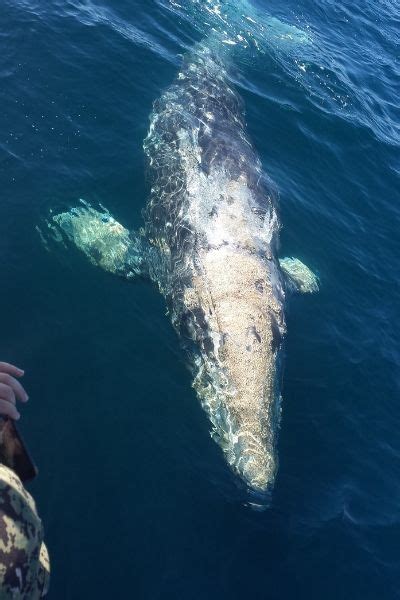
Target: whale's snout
[{"x": 256, "y": 465}]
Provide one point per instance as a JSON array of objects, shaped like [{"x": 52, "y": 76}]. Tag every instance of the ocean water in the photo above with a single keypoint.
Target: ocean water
[{"x": 136, "y": 498}]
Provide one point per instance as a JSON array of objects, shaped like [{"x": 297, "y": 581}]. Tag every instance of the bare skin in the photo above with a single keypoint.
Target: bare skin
[{"x": 11, "y": 390}]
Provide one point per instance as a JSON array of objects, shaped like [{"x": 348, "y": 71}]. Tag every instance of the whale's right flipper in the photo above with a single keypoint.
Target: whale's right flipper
[
  {"x": 106, "y": 243},
  {"x": 299, "y": 277}
]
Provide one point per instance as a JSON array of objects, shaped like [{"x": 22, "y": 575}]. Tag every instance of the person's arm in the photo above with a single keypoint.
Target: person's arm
[{"x": 10, "y": 390}]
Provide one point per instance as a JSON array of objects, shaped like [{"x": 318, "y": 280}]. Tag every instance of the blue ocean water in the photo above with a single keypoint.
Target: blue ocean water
[{"x": 136, "y": 498}]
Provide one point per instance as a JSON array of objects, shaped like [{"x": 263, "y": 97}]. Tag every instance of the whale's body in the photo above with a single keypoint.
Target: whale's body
[
  {"x": 213, "y": 219},
  {"x": 210, "y": 245}
]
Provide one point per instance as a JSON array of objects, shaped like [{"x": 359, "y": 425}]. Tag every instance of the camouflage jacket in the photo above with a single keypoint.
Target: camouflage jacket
[{"x": 24, "y": 561}]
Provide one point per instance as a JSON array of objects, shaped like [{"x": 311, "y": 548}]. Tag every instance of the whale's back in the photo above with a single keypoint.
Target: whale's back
[{"x": 197, "y": 146}]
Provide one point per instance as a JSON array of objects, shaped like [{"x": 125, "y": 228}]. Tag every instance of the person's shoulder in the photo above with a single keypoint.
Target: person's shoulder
[
  {"x": 21, "y": 532},
  {"x": 12, "y": 486}
]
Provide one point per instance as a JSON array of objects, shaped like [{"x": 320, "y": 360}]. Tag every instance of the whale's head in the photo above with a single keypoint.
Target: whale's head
[
  {"x": 238, "y": 323},
  {"x": 241, "y": 393}
]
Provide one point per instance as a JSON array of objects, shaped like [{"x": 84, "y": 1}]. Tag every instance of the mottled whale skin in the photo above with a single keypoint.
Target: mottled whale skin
[
  {"x": 210, "y": 245},
  {"x": 212, "y": 217}
]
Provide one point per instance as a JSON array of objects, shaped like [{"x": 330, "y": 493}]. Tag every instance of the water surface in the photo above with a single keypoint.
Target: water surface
[{"x": 136, "y": 498}]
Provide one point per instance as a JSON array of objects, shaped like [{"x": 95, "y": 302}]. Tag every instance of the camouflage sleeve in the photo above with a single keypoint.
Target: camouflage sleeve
[{"x": 24, "y": 561}]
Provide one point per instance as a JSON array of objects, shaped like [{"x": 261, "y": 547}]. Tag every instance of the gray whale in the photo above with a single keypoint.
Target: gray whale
[{"x": 209, "y": 243}]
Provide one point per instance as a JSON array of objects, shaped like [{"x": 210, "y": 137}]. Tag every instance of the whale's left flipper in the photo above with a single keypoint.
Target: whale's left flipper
[
  {"x": 299, "y": 277},
  {"x": 106, "y": 243}
]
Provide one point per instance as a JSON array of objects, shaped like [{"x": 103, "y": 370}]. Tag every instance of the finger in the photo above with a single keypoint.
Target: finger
[
  {"x": 15, "y": 385},
  {"x": 7, "y": 393},
  {"x": 11, "y": 369},
  {"x": 8, "y": 410}
]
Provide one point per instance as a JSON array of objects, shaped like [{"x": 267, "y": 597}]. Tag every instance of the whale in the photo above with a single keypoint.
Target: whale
[{"x": 210, "y": 245}]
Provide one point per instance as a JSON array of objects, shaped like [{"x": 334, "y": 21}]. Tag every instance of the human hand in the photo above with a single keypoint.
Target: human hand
[{"x": 10, "y": 390}]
